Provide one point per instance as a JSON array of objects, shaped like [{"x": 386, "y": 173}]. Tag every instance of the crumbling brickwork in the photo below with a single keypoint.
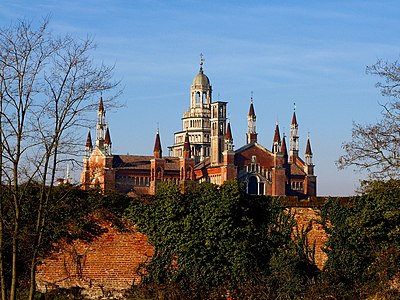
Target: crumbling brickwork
[{"x": 102, "y": 267}]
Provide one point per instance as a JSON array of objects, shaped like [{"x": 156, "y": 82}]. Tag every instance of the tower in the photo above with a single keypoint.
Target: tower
[
  {"x": 218, "y": 131},
  {"x": 294, "y": 138},
  {"x": 186, "y": 164},
  {"x": 251, "y": 136},
  {"x": 196, "y": 121}
]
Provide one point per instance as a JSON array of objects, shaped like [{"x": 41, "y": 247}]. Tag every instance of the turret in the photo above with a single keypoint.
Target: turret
[
  {"x": 308, "y": 158},
  {"x": 107, "y": 142},
  {"x": 101, "y": 125},
  {"x": 228, "y": 138},
  {"x": 276, "y": 146},
  {"x": 251, "y": 136},
  {"x": 186, "y": 146},
  {"x": 294, "y": 139}
]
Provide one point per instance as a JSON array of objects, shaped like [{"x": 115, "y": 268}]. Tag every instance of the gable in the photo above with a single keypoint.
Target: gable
[{"x": 254, "y": 153}]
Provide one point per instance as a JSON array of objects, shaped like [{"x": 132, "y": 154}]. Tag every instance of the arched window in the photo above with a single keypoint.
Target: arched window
[
  {"x": 204, "y": 98},
  {"x": 198, "y": 97}
]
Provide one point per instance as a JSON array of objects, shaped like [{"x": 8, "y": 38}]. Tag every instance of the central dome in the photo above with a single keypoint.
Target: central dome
[{"x": 201, "y": 79}]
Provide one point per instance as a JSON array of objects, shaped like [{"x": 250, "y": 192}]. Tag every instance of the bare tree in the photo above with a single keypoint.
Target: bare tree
[
  {"x": 47, "y": 86},
  {"x": 376, "y": 147}
]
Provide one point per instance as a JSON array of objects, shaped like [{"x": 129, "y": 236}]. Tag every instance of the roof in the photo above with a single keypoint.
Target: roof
[
  {"x": 201, "y": 79},
  {"x": 142, "y": 162},
  {"x": 296, "y": 170}
]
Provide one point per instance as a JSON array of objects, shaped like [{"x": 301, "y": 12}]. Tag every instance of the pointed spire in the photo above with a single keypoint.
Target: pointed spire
[
  {"x": 107, "y": 138},
  {"x": 277, "y": 136},
  {"x": 186, "y": 146},
  {"x": 283, "y": 147},
  {"x": 157, "y": 146},
  {"x": 251, "y": 110},
  {"x": 228, "y": 135},
  {"x": 308, "y": 147},
  {"x": 101, "y": 105},
  {"x": 89, "y": 144},
  {"x": 294, "y": 119}
]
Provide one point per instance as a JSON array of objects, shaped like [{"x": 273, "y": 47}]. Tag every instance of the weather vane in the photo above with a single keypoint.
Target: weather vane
[
  {"x": 251, "y": 97},
  {"x": 201, "y": 59},
  {"x": 294, "y": 106}
]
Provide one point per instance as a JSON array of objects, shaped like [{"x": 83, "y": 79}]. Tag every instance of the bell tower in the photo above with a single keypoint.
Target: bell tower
[
  {"x": 196, "y": 121},
  {"x": 218, "y": 131}
]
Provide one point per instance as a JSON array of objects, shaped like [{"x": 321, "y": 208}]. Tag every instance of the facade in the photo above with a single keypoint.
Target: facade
[{"x": 203, "y": 151}]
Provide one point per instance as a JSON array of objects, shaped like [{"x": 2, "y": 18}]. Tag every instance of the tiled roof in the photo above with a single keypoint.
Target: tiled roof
[{"x": 142, "y": 162}]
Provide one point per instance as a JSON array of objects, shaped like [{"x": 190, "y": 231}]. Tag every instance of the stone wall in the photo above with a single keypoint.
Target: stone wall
[{"x": 102, "y": 267}]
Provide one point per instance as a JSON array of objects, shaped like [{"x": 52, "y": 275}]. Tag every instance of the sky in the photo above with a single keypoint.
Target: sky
[{"x": 312, "y": 53}]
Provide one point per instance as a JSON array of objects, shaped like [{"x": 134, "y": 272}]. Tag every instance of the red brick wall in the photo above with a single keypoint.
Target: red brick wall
[
  {"x": 107, "y": 264},
  {"x": 307, "y": 219},
  {"x": 102, "y": 267}
]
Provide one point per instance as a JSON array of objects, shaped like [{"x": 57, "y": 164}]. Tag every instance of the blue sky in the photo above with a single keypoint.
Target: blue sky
[{"x": 313, "y": 53}]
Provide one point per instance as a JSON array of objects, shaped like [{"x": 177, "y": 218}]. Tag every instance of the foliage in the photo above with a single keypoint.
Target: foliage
[
  {"x": 375, "y": 147},
  {"x": 364, "y": 245},
  {"x": 69, "y": 213},
  {"x": 215, "y": 238}
]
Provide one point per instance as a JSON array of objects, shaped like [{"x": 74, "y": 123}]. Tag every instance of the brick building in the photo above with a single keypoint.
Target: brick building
[{"x": 203, "y": 151}]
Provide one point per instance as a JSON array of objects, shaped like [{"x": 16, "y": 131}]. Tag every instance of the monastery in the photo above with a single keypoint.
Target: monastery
[{"x": 203, "y": 151}]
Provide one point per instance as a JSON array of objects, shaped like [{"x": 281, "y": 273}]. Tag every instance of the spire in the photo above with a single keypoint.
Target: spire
[
  {"x": 251, "y": 135},
  {"x": 294, "y": 137},
  {"x": 186, "y": 146},
  {"x": 251, "y": 110},
  {"x": 89, "y": 144},
  {"x": 157, "y": 146},
  {"x": 284, "y": 148},
  {"x": 101, "y": 105},
  {"x": 308, "y": 147},
  {"x": 107, "y": 138},
  {"x": 294, "y": 119},
  {"x": 101, "y": 125},
  {"x": 277, "y": 136},
  {"x": 228, "y": 135},
  {"x": 277, "y": 139},
  {"x": 309, "y": 168}
]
